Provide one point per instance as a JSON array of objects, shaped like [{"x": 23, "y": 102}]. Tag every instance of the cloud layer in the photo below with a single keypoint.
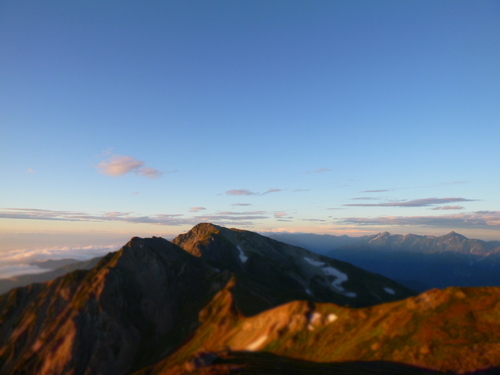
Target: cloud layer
[
  {"x": 248, "y": 192},
  {"x": 221, "y": 218},
  {"x": 412, "y": 203},
  {"x": 240, "y": 192},
  {"x": 474, "y": 220},
  {"x": 118, "y": 165}
]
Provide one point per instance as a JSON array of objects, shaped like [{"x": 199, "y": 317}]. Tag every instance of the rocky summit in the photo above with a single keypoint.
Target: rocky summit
[
  {"x": 220, "y": 301},
  {"x": 275, "y": 273}
]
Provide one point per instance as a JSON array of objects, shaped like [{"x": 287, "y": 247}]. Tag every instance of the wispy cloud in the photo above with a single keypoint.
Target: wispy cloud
[
  {"x": 148, "y": 172},
  {"x": 297, "y": 190},
  {"x": 272, "y": 191},
  {"x": 240, "y": 192},
  {"x": 242, "y": 213},
  {"x": 196, "y": 209},
  {"x": 279, "y": 214},
  {"x": 474, "y": 220},
  {"x": 29, "y": 170},
  {"x": 241, "y": 204},
  {"x": 448, "y": 208},
  {"x": 314, "y": 220},
  {"x": 363, "y": 198},
  {"x": 412, "y": 203},
  {"x": 319, "y": 170},
  {"x": 248, "y": 192},
  {"x": 222, "y": 218},
  {"x": 119, "y": 165},
  {"x": 440, "y": 184}
]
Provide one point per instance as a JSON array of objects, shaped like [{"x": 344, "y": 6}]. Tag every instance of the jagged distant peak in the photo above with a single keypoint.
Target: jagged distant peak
[
  {"x": 381, "y": 236},
  {"x": 455, "y": 235}
]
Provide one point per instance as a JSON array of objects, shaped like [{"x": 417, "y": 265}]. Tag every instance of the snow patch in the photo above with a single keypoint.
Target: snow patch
[
  {"x": 389, "y": 291},
  {"x": 314, "y": 262},
  {"x": 350, "y": 294},
  {"x": 243, "y": 257},
  {"x": 332, "y": 317},
  {"x": 257, "y": 343},
  {"x": 341, "y": 277},
  {"x": 314, "y": 317},
  {"x": 308, "y": 291}
]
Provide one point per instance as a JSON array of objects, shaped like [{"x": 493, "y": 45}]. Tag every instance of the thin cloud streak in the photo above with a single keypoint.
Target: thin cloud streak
[
  {"x": 240, "y": 192},
  {"x": 413, "y": 203},
  {"x": 222, "y": 218},
  {"x": 448, "y": 208},
  {"x": 475, "y": 220},
  {"x": 272, "y": 191},
  {"x": 248, "y": 192},
  {"x": 196, "y": 209},
  {"x": 319, "y": 170}
]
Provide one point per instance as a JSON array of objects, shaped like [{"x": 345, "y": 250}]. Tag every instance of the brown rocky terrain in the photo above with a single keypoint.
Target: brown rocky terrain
[{"x": 220, "y": 300}]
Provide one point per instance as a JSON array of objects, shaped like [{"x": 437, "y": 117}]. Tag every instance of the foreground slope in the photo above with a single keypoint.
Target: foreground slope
[
  {"x": 455, "y": 330},
  {"x": 229, "y": 301},
  {"x": 283, "y": 273}
]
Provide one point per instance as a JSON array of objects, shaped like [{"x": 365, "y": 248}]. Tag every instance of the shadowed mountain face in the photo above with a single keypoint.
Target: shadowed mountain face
[
  {"x": 135, "y": 305},
  {"x": 282, "y": 273},
  {"x": 235, "y": 302}
]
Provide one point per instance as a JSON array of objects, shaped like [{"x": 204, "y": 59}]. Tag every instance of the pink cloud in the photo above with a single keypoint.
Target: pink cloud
[{"x": 118, "y": 165}]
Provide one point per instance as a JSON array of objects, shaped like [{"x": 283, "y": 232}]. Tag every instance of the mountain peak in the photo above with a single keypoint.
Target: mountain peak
[{"x": 454, "y": 234}]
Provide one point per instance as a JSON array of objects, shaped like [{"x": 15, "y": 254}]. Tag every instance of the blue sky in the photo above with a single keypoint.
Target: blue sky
[{"x": 125, "y": 118}]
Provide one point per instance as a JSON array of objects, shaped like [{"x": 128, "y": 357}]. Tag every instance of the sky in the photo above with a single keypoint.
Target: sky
[{"x": 128, "y": 118}]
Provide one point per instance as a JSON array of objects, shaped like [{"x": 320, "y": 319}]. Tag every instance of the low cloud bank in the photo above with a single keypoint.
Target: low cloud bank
[{"x": 20, "y": 262}]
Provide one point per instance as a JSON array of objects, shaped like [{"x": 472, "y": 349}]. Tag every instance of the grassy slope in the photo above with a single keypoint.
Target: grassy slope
[{"x": 456, "y": 329}]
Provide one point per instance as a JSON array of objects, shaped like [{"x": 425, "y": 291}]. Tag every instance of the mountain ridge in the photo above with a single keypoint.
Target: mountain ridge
[
  {"x": 203, "y": 300},
  {"x": 451, "y": 241}
]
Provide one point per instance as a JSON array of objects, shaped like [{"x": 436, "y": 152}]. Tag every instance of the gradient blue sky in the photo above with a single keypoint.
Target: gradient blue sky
[{"x": 122, "y": 118}]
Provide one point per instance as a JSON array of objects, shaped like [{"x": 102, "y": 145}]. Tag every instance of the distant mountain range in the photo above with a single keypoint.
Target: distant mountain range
[
  {"x": 453, "y": 241},
  {"x": 227, "y": 301},
  {"x": 418, "y": 262}
]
